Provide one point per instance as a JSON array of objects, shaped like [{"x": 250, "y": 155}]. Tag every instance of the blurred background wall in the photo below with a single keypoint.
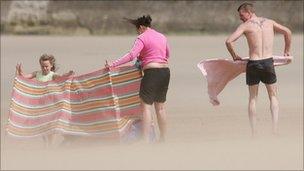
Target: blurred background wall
[{"x": 105, "y": 17}]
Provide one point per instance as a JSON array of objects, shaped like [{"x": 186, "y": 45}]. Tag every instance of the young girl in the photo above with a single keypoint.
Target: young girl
[{"x": 47, "y": 73}]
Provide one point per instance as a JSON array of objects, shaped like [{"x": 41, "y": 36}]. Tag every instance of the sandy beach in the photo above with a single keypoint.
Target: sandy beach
[{"x": 200, "y": 136}]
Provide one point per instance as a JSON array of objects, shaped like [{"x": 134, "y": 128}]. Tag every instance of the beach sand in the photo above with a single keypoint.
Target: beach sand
[{"x": 200, "y": 136}]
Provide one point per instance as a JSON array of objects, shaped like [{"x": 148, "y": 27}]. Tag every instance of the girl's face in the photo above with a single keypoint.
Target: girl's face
[{"x": 46, "y": 67}]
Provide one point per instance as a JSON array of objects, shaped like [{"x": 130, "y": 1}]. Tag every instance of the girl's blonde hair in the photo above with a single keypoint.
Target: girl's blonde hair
[{"x": 51, "y": 58}]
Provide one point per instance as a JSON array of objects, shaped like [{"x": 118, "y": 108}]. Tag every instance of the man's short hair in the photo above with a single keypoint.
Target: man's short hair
[{"x": 248, "y": 7}]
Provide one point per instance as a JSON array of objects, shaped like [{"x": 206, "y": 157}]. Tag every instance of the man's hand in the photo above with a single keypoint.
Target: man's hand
[
  {"x": 286, "y": 54},
  {"x": 236, "y": 58}
]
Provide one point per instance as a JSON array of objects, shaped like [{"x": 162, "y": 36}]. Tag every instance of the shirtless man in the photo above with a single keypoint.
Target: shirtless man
[{"x": 259, "y": 33}]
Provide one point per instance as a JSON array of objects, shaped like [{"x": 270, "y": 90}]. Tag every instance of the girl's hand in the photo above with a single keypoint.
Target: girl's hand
[
  {"x": 68, "y": 73},
  {"x": 18, "y": 69},
  {"x": 71, "y": 72}
]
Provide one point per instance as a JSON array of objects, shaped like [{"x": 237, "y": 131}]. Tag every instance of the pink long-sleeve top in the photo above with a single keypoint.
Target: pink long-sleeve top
[{"x": 150, "y": 46}]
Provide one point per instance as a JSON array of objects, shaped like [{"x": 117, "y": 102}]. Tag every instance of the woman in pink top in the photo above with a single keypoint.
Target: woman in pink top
[{"x": 152, "y": 52}]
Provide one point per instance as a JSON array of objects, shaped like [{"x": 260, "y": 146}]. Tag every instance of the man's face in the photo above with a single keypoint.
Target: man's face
[{"x": 244, "y": 15}]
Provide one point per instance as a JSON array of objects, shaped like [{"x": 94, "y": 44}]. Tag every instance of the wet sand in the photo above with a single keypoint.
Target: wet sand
[{"x": 200, "y": 136}]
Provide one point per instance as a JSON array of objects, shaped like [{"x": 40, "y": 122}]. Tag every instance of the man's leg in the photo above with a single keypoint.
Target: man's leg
[
  {"x": 253, "y": 94},
  {"x": 147, "y": 119},
  {"x": 274, "y": 105},
  {"x": 162, "y": 119}
]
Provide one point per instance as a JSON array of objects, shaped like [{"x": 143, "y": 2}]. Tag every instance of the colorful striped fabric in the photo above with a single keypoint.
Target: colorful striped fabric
[{"x": 99, "y": 103}]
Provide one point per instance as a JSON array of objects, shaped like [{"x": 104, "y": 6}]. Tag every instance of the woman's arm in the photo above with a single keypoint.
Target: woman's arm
[{"x": 137, "y": 47}]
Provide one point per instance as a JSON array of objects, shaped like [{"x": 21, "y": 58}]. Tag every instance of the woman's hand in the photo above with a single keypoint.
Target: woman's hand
[{"x": 108, "y": 65}]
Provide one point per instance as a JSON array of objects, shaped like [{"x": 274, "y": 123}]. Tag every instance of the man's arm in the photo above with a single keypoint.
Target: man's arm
[
  {"x": 287, "y": 36},
  {"x": 233, "y": 37}
]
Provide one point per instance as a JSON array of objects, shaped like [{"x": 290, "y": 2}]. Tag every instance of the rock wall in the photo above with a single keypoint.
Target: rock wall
[{"x": 105, "y": 17}]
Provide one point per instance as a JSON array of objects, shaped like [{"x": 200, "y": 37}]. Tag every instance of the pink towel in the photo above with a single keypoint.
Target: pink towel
[{"x": 218, "y": 72}]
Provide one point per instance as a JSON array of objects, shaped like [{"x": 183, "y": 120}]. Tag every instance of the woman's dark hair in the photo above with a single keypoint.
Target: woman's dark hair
[{"x": 145, "y": 20}]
